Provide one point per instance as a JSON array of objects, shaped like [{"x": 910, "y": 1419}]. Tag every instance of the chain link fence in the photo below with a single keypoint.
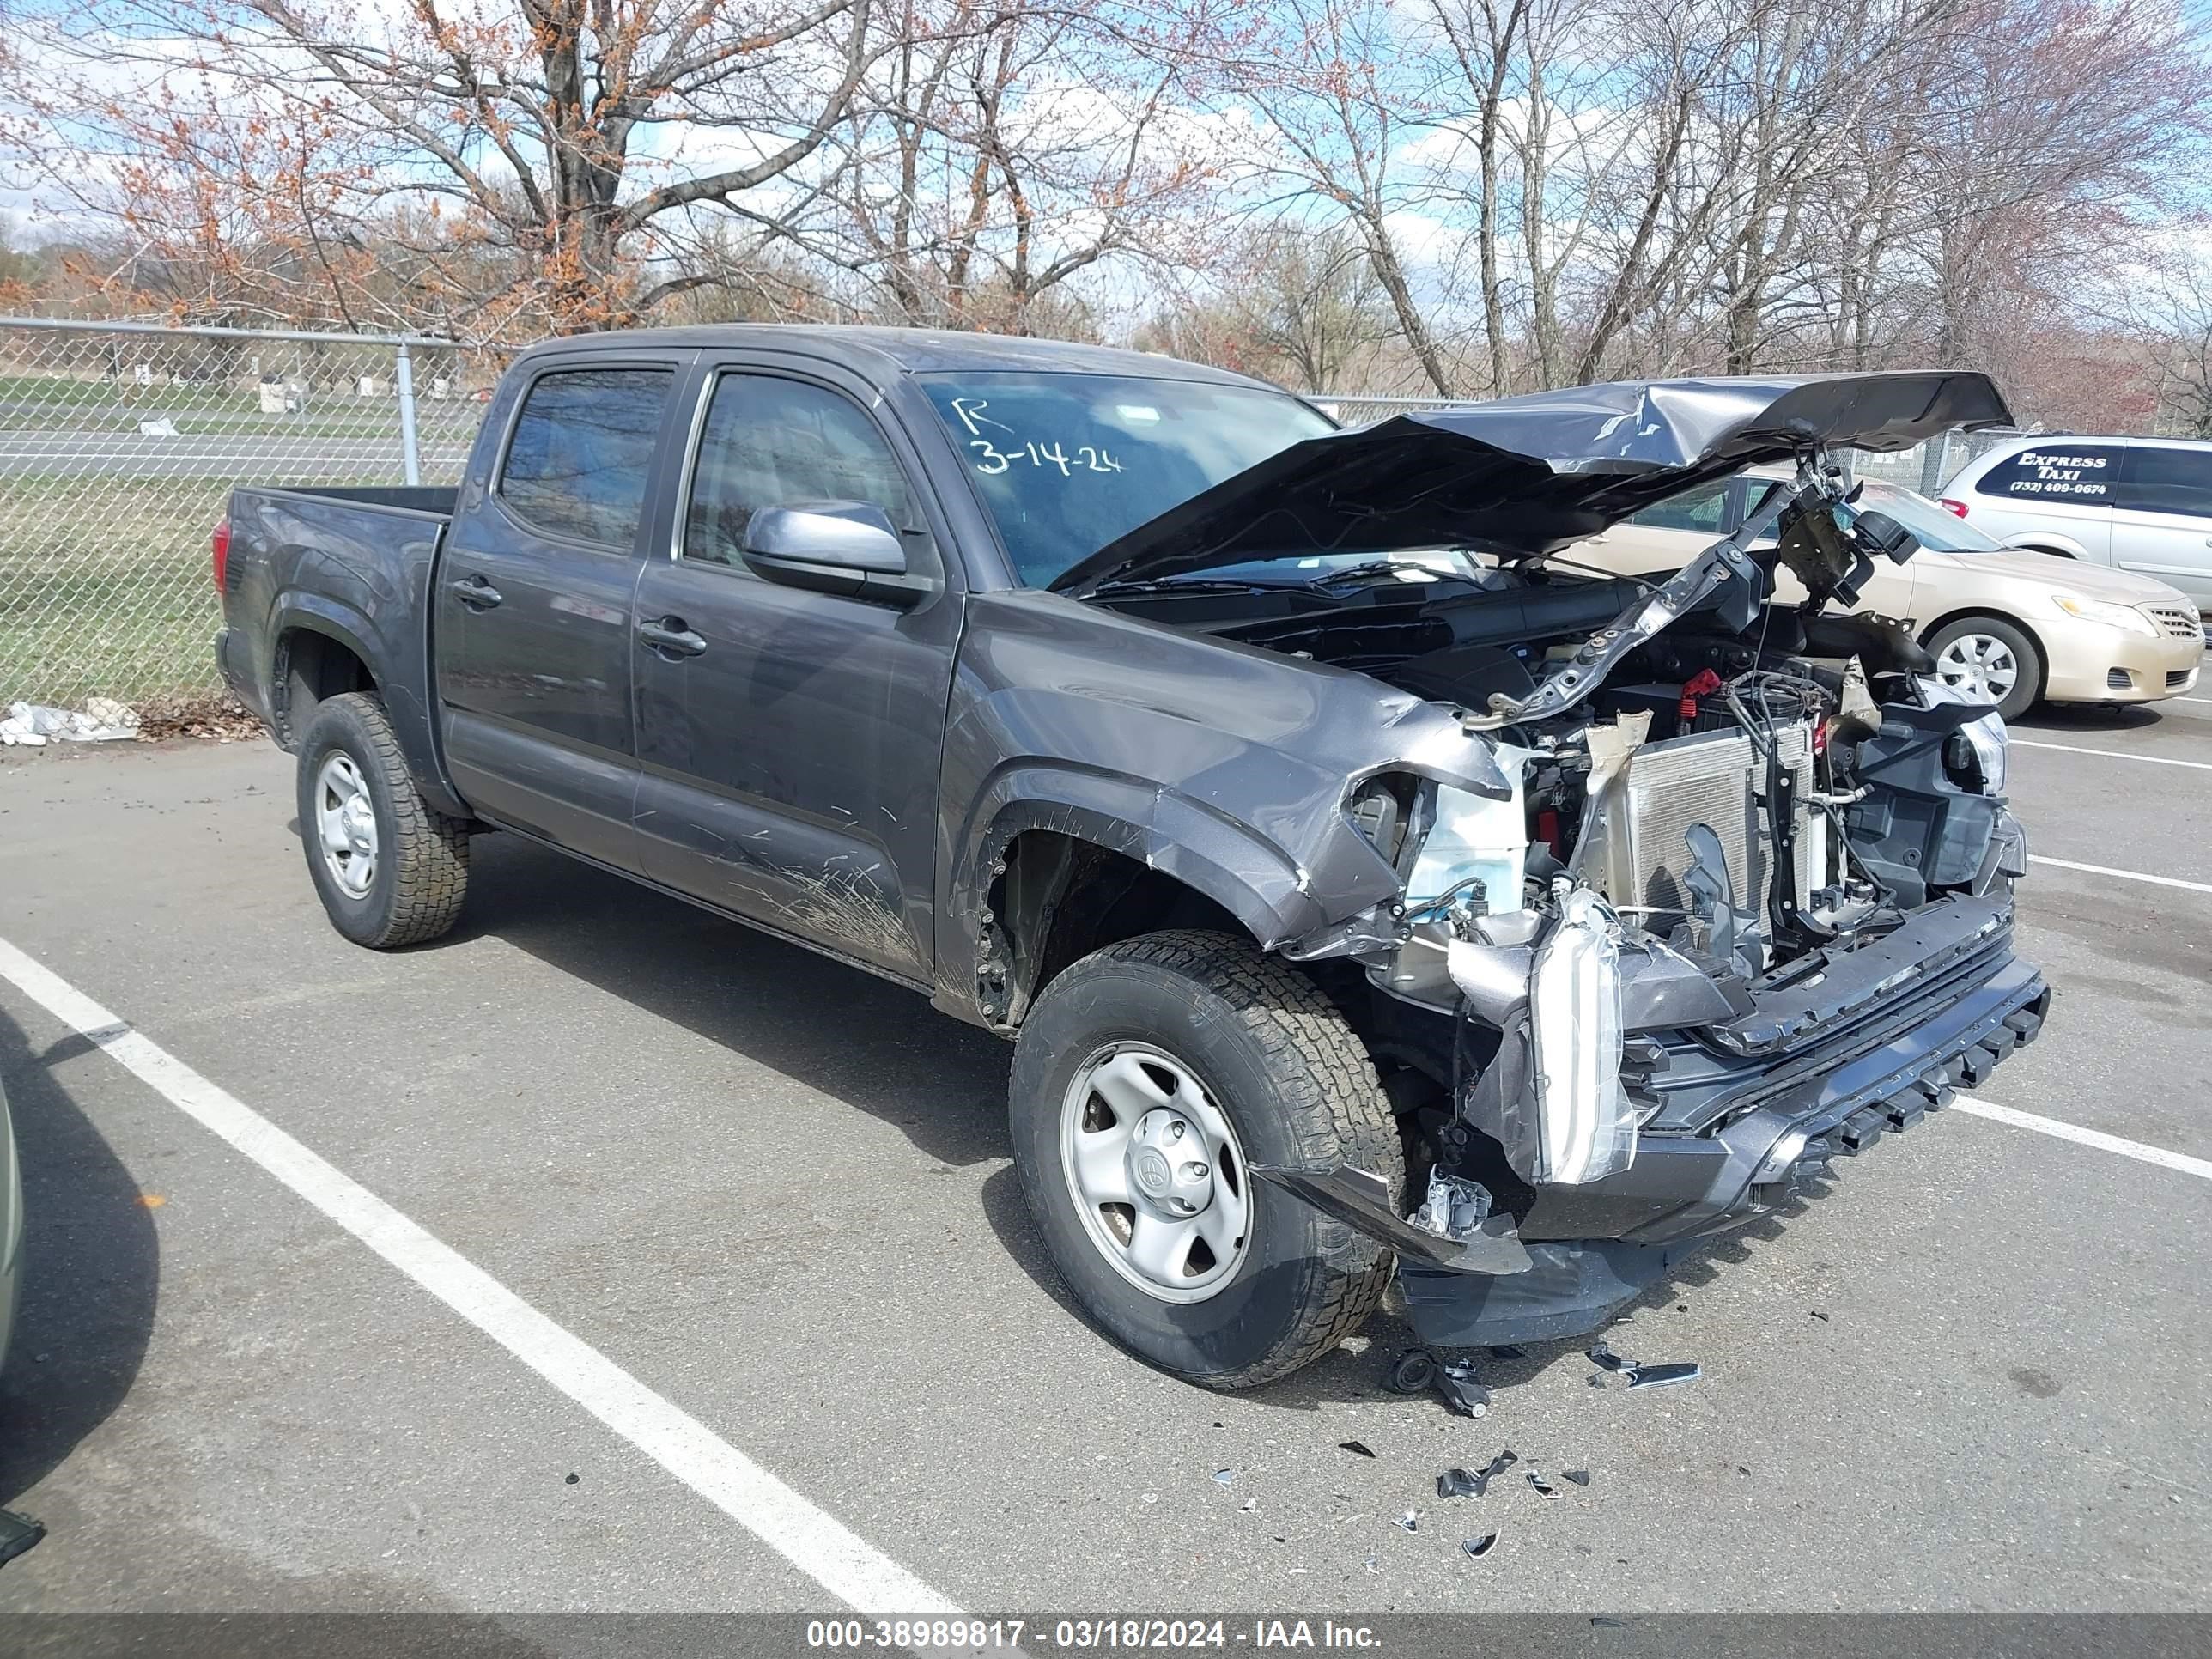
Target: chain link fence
[{"x": 119, "y": 444}]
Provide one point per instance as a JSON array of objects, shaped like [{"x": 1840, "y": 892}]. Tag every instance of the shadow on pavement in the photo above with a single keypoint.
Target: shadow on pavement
[
  {"x": 90, "y": 1272},
  {"x": 876, "y": 1046}
]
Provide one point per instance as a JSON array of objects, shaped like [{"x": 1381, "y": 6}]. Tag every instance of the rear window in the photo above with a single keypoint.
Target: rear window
[
  {"x": 2156, "y": 479},
  {"x": 582, "y": 446},
  {"x": 2083, "y": 474}
]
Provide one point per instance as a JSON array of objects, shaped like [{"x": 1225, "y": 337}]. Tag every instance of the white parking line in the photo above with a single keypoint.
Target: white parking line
[
  {"x": 2114, "y": 754},
  {"x": 2201, "y": 1167},
  {"x": 2122, "y": 875},
  {"x": 808, "y": 1537}
]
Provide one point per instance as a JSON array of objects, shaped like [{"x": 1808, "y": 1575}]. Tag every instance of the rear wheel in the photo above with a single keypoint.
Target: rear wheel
[
  {"x": 1147, "y": 1080},
  {"x": 390, "y": 868},
  {"x": 1989, "y": 661}
]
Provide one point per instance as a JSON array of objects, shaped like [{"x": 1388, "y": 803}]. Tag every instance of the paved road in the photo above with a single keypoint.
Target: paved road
[{"x": 777, "y": 1193}]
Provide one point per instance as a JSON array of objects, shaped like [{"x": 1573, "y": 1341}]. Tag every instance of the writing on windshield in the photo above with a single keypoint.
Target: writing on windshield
[{"x": 1066, "y": 463}]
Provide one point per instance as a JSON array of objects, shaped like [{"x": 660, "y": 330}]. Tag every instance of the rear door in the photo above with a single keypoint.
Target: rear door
[
  {"x": 789, "y": 749},
  {"x": 533, "y": 616},
  {"x": 2065, "y": 485},
  {"x": 2162, "y": 517}
]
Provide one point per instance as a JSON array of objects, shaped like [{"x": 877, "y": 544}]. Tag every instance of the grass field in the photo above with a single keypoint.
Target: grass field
[{"x": 106, "y": 588}]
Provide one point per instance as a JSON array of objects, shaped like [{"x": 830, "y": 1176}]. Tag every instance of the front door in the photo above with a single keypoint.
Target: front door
[
  {"x": 788, "y": 742},
  {"x": 532, "y": 625},
  {"x": 2162, "y": 517}
]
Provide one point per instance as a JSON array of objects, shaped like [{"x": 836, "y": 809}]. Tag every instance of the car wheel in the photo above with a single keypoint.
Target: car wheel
[
  {"x": 1147, "y": 1080},
  {"x": 390, "y": 869},
  {"x": 1989, "y": 661}
]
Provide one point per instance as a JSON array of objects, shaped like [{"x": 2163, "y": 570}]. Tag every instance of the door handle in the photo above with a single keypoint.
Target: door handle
[
  {"x": 670, "y": 637},
  {"x": 475, "y": 592}
]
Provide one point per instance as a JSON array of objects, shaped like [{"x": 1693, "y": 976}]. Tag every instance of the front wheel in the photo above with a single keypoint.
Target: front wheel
[
  {"x": 1147, "y": 1080},
  {"x": 1989, "y": 659},
  {"x": 390, "y": 868}
]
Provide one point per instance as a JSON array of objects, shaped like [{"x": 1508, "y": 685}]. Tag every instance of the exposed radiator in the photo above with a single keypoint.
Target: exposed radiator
[{"x": 1711, "y": 778}]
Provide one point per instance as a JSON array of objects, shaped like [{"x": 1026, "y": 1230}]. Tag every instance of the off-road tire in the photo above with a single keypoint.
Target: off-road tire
[
  {"x": 422, "y": 856},
  {"x": 1296, "y": 1085}
]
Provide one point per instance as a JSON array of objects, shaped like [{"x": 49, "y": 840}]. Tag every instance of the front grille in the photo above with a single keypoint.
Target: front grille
[
  {"x": 1712, "y": 778},
  {"x": 2178, "y": 623}
]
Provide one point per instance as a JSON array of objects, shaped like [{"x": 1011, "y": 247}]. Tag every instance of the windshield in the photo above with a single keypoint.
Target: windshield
[{"x": 1067, "y": 463}]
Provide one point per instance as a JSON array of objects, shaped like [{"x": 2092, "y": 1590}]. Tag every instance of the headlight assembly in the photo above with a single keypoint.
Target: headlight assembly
[
  {"x": 1585, "y": 1129},
  {"x": 2104, "y": 611}
]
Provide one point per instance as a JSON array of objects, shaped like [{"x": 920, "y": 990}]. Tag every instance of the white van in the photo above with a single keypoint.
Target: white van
[{"x": 2138, "y": 504}]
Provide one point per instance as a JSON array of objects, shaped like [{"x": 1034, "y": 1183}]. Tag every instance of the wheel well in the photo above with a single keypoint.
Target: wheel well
[
  {"x": 1056, "y": 898},
  {"x": 311, "y": 666},
  {"x": 1971, "y": 613}
]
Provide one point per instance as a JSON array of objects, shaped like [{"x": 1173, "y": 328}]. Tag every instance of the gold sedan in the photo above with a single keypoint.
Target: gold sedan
[{"x": 2005, "y": 625}]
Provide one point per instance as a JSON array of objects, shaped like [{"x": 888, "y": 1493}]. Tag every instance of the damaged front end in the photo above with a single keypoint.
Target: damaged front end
[{"x": 1739, "y": 903}]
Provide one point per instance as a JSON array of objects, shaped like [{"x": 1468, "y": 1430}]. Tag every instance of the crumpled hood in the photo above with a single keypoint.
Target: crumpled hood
[{"x": 1525, "y": 476}]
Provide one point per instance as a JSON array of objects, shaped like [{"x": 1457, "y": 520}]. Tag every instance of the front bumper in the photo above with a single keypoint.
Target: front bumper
[
  {"x": 2122, "y": 667},
  {"x": 1748, "y": 1132}
]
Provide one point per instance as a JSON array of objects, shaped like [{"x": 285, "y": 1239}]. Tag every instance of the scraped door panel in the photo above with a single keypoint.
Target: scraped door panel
[{"x": 788, "y": 750}]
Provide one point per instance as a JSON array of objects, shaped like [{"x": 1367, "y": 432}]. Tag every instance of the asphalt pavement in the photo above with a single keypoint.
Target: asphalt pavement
[{"x": 775, "y": 1194}]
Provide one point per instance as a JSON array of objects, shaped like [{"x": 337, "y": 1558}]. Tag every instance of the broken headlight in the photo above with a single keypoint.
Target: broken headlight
[{"x": 1585, "y": 1126}]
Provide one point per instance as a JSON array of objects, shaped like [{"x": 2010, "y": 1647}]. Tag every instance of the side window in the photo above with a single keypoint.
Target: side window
[
  {"x": 1702, "y": 509},
  {"x": 2083, "y": 474},
  {"x": 582, "y": 447},
  {"x": 2156, "y": 479},
  {"x": 773, "y": 442}
]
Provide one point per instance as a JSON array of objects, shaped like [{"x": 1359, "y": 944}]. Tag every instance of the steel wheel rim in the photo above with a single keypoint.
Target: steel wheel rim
[
  {"x": 1979, "y": 666},
  {"x": 1133, "y": 1123},
  {"x": 345, "y": 825}
]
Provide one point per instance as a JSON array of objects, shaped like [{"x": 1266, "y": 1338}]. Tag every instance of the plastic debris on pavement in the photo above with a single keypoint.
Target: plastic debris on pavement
[
  {"x": 1250, "y": 1504},
  {"x": 1357, "y": 1448},
  {"x": 18, "y": 1533},
  {"x": 1222, "y": 1477},
  {"x": 1456, "y": 1383},
  {"x": 1411, "y": 1520},
  {"x": 1543, "y": 1487},
  {"x": 1479, "y": 1548},
  {"x": 1642, "y": 1375},
  {"x": 1580, "y": 1477},
  {"x": 1457, "y": 1483},
  {"x": 32, "y": 724}
]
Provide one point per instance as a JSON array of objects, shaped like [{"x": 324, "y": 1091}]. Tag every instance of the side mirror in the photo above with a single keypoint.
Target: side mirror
[{"x": 833, "y": 547}]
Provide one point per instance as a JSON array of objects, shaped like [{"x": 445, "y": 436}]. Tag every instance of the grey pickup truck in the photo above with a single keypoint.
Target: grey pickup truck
[{"x": 1362, "y": 885}]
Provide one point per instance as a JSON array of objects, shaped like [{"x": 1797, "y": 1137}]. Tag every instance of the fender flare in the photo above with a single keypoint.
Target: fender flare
[{"x": 298, "y": 611}]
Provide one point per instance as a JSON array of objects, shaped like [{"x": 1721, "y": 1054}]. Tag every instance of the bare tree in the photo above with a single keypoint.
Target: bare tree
[{"x": 562, "y": 145}]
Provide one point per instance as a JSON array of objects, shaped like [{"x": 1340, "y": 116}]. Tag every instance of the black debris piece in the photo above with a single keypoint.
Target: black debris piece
[
  {"x": 1411, "y": 1520},
  {"x": 1595, "y": 1381},
  {"x": 1357, "y": 1448},
  {"x": 1508, "y": 1350},
  {"x": 1580, "y": 1477},
  {"x": 1412, "y": 1372},
  {"x": 1603, "y": 1623},
  {"x": 1489, "y": 1471},
  {"x": 1681, "y": 1307},
  {"x": 1544, "y": 1488},
  {"x": 1663, "y": 1377},
  {"x": 1818, "y": 1314},
  {"x": 1458, "y": 1483},
  {"x": 1607, "y": 1360},
  {"x": 18, "y": 1533},
  {"x": 1455, "y": 1382},
  {"x": 573, "y": 1479},
  {"x": 1479, "y": 1548},
  {"x": 1641, "y": 1376}
]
